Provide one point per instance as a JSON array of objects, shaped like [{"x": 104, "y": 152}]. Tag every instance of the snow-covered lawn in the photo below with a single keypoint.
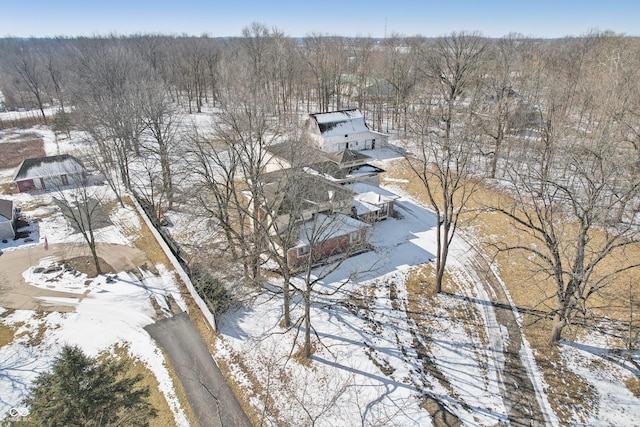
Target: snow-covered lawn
[
  {"x": 110, "y": 314},
  {"x": 370, "y": 365}
]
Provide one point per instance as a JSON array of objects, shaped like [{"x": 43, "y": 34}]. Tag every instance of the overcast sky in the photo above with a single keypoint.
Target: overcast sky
[{"x": 375, "y": 18}]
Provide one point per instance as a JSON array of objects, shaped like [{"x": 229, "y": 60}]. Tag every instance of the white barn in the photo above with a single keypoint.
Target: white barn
[{"x": 336, "y": 131}]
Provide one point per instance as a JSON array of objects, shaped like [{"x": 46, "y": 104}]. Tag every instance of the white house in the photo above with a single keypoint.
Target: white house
[{"x": 336, "y": 131}]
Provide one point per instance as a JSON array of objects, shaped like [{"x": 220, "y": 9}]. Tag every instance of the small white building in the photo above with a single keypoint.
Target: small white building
[
  {"x": 7, "y": 220},
  {"x": 336, "y": 131},
  {"x": 371, "y": 203}
]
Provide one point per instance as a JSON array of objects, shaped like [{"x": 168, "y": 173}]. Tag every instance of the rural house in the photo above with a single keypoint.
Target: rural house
[
  {"x": 313, "y": 211},
  {"x": 328, "y": 235},
  {"x": 7, "y": 220},
  {"x": 336, "y": 131},
  {"x": 48, "y": 172}
]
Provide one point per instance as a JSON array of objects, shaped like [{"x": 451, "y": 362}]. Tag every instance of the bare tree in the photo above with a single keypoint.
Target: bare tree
[
  {"x": 282, "y": 209},
  {"x": 446, "y": 135},
  {"x": 401, "y": 71},
  {"x": 217, "y": 187},
  {"x": 290, "y": 197},
  {"x": 568, "y": 220},
  {"x": 161, "y": 122},
  {"x": 325, "y": 57},
  {"x": 243, "y": 128},
  {"x": 28, "y": 65},
  {"x": 552, "y": 91},
  {"x": 318, "y": 235},
  {"x": 80, "y": 205},
  {"x": 502, "y": 101},
  {"x": 107, "y": 99}
]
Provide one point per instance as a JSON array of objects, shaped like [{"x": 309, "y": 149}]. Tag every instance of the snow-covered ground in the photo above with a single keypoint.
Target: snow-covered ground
[
  {"x": 110, "y": 314},
  {"x": 366, "y": 368}
]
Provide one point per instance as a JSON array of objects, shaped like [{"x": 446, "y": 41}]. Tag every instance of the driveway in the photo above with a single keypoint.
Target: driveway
[
  {"x": 211, "y": 399},
  {"x": 17, "y": 294}
]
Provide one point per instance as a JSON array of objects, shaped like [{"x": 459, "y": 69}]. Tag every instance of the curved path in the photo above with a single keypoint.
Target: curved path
[
  {"x": 207, "y": 391},
  {"x": 520, "y": 392}
]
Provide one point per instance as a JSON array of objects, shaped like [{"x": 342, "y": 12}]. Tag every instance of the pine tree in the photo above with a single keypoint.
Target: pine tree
[{"x": 84, "y": 391}]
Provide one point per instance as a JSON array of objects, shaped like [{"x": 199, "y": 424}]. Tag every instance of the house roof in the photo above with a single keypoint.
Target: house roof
[
  {"x": 48, "y": 166},
  {"x": 333, "y": 172},
  {"x": 6, "y": 210},
  {"x": 297, "y": 153},
  {"x": 324, "y": 227},
  {"x": 340, "y": 122},
  {"x": 348, "y": 156},
  {"x": 290, "y": 190}
]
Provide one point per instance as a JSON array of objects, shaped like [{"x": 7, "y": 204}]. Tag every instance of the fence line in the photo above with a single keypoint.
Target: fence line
[{"x": 178, "y": 267}]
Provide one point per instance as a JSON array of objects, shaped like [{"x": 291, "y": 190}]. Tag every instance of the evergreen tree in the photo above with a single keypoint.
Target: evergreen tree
[{"x": 84, "y": 391}]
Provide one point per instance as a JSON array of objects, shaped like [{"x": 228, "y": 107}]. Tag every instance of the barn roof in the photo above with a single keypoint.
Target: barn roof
[
  {"x": 340, "y": 122},
  {"x": 48, "y": 166}
]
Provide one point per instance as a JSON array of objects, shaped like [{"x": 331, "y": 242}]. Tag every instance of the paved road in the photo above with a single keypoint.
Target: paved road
[{"x": 210, "y": 397}]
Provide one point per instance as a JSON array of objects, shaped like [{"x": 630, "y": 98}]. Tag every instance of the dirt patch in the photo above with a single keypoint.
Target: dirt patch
[
  {"x": 85, "y": 264},
  {"x": 13, "y": 153}
]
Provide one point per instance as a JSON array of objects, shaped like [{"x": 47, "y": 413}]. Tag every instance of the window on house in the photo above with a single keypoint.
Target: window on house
[
  {"x": 302, "y": 251},
  {"x": 354, "y": 236}
]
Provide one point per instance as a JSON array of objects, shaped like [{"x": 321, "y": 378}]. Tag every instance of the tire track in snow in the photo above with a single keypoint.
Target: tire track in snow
[{"x": 521, "y": 393}]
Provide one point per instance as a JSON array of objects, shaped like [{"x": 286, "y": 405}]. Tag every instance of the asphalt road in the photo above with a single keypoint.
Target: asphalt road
[{"x": 210, "y": 397}]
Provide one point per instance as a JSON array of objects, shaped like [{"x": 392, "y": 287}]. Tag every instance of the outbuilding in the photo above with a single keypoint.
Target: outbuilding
[{"x": 41, "y": 173}]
